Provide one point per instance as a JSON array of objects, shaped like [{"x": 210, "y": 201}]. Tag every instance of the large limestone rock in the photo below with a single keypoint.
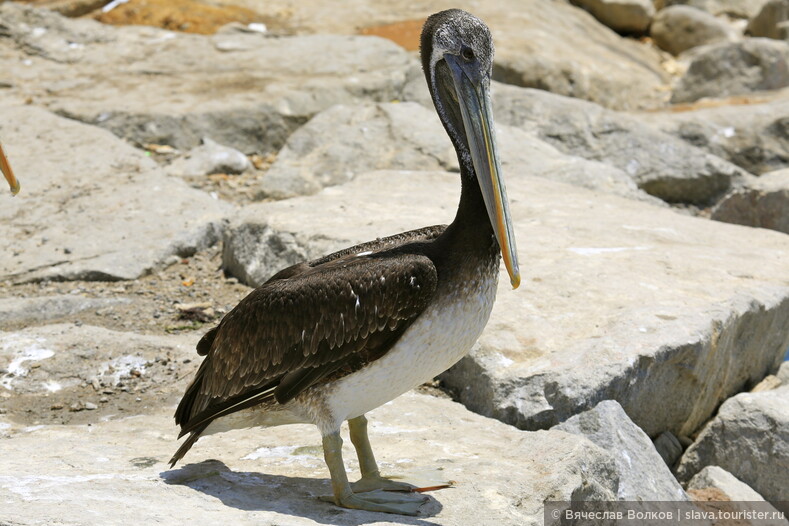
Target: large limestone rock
[
  {"x": 210, "y": 158},
  {"x": 679, "y": 28},
  {"x": 643, "y": 476},
  {"x": 722, "y": 70},
  {"x": 763, "y": 203},
  {"x": 154, "y": 86},
  {"x": 92, "y": 207},
  {"x": 623, "y": 16},
  {"x": 667, "y": 314},
  {"x": 343, "y": 141},
  {"x": 749, "y": 438},
  {"x": 772, "y": 21},
  {"x": 659, "y": 164},
  {"x": 754, "y": 136},
  {"x": 274, "y": 476}
]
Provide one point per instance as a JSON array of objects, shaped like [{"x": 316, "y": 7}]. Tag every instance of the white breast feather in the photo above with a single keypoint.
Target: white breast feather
[{"x": 441, "y": 336}]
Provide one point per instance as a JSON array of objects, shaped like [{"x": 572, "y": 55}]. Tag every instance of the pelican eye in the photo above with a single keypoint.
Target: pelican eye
[{"x": 467, "y": 54}]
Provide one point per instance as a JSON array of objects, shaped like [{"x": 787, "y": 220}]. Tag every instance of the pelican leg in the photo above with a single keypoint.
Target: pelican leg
[
  {"x": 381, "y": 501},
  {"x": 371, "y": 478}
]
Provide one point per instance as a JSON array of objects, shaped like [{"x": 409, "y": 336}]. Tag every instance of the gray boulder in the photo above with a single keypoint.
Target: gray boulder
[
  {"x": 749, "y": 437},
  {"x": 343, "y": 141},
  {"x": 601, "y": 273},
  {"x": 772, "y": 21},
  {"x": 623, "y": 16},
  {"x": 643, "y": 476},
  {"x": 678, "y": 28},
  {"x": 754, "y": 136},
  {"x": 92, "y": 207},
  {"x": 661, "y": 165},
  {"x": 722, "y": 70},
  {"x": 763, "y": 203},
  {"x": 733, "y": 8}
]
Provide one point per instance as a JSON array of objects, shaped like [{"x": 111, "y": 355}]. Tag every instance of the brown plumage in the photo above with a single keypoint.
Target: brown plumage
[{"x": 306, "y": 323}]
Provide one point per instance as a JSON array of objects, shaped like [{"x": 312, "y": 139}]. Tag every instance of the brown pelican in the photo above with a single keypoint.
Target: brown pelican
[
  {"x": 13, "y": 182},
  {"x": 329, "y": 340}
]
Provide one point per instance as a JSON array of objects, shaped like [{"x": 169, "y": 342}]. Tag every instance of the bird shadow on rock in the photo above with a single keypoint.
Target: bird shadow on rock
[{"x": 296, "y": 496}]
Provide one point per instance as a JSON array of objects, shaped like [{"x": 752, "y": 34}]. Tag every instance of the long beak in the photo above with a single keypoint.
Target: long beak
[
  {"x": 474, "y": 101},
  {"x": 13, "y": 182}
]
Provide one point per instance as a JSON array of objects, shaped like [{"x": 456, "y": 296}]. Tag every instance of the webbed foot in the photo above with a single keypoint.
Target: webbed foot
[{"x": 381, "y": 501}]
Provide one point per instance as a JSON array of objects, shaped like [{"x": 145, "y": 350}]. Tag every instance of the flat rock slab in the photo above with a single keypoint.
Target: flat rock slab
[
  {"x": 91, "y": 206},
  {"x": 749, "y": 438},
  {"x": 621, "y": 300},
  {"x": 148, "y": 85},
  {"x": 86, "y": 474},
  {"x": 343, "y": 141}
]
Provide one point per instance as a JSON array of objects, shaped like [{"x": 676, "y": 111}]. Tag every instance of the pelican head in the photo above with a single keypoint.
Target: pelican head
[{"x": 457, "y": 57}]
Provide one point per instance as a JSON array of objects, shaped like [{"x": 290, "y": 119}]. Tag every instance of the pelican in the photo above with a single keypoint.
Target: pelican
[
  {"x": 328, "y": 340},
  {"x": 5, "y": 167}
]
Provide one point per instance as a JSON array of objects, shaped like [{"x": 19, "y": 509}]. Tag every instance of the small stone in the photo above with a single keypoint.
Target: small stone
[
  {"x": 55, "y": 407},
  {"x": 103, "y": 400},
  {"x": 669, "y": 447},
  {"x": 211, "y": 158},
  {"x": 90, "y": 406}
]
